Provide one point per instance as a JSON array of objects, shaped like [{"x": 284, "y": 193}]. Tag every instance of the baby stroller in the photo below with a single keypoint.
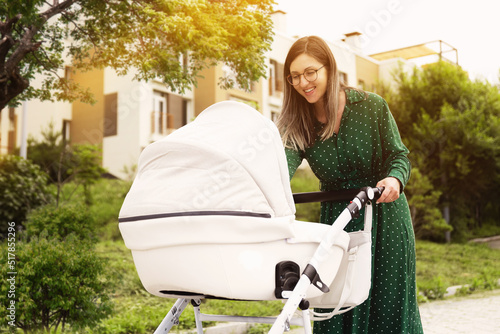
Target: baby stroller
[{"x": 211, "y": 215}]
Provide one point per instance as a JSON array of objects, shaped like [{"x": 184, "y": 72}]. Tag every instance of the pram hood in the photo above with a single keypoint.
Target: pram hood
[{"x": 228, "y": 161}]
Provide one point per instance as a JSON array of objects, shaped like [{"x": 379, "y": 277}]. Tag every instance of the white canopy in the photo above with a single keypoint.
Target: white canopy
[{"x": 229, "y": 160}]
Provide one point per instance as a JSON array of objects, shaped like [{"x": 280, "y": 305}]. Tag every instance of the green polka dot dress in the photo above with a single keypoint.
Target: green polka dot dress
[{"x": 367, "y": 149}]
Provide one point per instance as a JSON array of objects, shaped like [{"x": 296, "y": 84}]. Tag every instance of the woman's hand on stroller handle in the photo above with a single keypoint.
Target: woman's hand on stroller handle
[
  {"x": 377, "y": 192},
  {"x": 392, "y": 187},
  {"x": 365, "y": 195}
]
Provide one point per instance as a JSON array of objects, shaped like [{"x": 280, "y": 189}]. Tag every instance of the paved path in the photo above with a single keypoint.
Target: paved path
[{"x": 473, "y": 314}]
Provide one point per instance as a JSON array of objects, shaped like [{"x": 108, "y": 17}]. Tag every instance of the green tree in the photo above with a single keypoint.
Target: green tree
[
  {"x": 23, "y": 187},
  {"x": 49, "y": 153},
  {"x": 168, "y": 39},
  {"x": 80, "y": 163},
  {"x": 59, "y": 283},
  {"x": 86, "y": 167},
  {"x": 428, "y": 222},
  {"x": 451, "y": 125}
]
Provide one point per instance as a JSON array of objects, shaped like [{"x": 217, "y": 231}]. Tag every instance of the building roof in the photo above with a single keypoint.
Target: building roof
[{"x": 416, "y": 51}]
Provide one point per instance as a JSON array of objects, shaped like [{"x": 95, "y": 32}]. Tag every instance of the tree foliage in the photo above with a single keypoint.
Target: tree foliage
[
  {"x": 426, "y": 216},
  {"x": 172, "y": 40},
  {"x": 47, "y": 152},
  {"x": 87, "y": 168},
  {"x": 23, "y": 187},
  {"x": 63, "y": 163},
  {"x": 451, "y": 125}
]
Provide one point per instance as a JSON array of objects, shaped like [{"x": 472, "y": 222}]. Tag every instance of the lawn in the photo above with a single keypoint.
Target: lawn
[{"x": 438, "y": 267}]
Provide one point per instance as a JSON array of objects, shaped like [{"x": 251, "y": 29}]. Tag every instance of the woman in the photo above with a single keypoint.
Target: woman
[{"x": 351, "y": 140}]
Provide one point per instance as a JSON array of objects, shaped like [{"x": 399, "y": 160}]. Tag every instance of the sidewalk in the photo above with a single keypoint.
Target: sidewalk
[
  {"x": 472, "y": 314},
  {"x": 478, "y": 314}
]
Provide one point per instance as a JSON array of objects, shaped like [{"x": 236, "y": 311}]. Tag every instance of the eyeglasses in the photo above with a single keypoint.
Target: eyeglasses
[{"x": 310, "y": 75}]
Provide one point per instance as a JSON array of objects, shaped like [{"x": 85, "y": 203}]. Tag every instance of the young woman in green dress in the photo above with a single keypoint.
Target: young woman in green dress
[{"x": 350, "y": 140}]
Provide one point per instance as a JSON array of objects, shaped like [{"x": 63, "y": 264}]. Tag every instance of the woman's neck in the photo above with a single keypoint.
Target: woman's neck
[
  {"x": 320, "y": 109},
  {"x": 319, "y": 112},
  {"x": 340, "y": 110}
]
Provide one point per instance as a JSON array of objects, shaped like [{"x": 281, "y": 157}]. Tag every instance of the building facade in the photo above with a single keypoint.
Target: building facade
[{"x": 129, "y": 115}]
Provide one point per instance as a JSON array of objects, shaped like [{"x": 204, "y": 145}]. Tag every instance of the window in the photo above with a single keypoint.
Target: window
[
  {"x": 251, "y": 103},
  {"x": 66, "y": 131},
  {"x": 159, "y": 115},
  {"x": 361, "y": 84},
  {"x": 343, "y": 78},
  {"x": 110, "y": 115},
  {"x": 184, "y": 59},
  {"x": 176, "y": 111},
  {"x": 1, "y": 147},
  {"x": 274, "y": 116},
  {"x": 275, "y": 78},
  {"x": 231, "y": 76},
  {"x": 12, "y": 134},
  {"x": 68, "y": 73},
  {"x": 169, "y": 113}
]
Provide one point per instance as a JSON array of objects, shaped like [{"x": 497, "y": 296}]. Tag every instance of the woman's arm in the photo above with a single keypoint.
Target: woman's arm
[
  {"x": 294, "y": 159},
  {"x": 395, "y": 155}
]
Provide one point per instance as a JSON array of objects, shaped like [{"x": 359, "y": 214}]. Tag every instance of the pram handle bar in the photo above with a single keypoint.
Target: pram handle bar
[
  {"x": 332, "y": 196},
  {"x": 365, "y": 194},
  {"x": 310, "y": 276}
]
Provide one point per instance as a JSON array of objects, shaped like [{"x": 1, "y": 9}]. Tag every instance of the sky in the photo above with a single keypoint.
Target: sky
[{"x": 472, "y": 27}]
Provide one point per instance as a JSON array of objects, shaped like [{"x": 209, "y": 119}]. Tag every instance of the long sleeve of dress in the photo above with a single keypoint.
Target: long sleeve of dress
[
  {"x": 294, "y": 159},
  {"x": 395, "y": 153}
]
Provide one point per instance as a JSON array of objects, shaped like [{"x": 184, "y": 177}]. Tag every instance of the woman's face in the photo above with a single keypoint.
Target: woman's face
[{"x": 312, "y": 91}]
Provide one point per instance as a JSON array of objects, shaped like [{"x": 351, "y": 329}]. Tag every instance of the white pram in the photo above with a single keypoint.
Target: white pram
[{"x": 211, "y": 215}]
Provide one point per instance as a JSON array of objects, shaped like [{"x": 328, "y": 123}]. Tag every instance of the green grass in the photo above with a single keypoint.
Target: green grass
[
  {"x": 440, "y": 266},
  {"x": 136, "y": 311}
]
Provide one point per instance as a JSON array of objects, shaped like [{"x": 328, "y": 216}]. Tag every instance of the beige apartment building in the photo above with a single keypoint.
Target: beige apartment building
[{"x": 129, "y": 115}]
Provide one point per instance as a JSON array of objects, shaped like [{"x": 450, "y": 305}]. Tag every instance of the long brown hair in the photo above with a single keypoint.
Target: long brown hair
[{"x": 297, "y": 118}]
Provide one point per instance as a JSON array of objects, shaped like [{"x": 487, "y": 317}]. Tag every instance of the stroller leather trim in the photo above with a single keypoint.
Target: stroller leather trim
[{"x": 194, "y": 213}]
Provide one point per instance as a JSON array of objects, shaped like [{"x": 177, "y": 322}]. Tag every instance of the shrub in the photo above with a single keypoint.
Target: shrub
[
  {"x": 59, "y": 284},
  {"x": 23, "y": 187},
  {"x": 61, "y": 222},
  {"x": 435, "y": 289}
]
